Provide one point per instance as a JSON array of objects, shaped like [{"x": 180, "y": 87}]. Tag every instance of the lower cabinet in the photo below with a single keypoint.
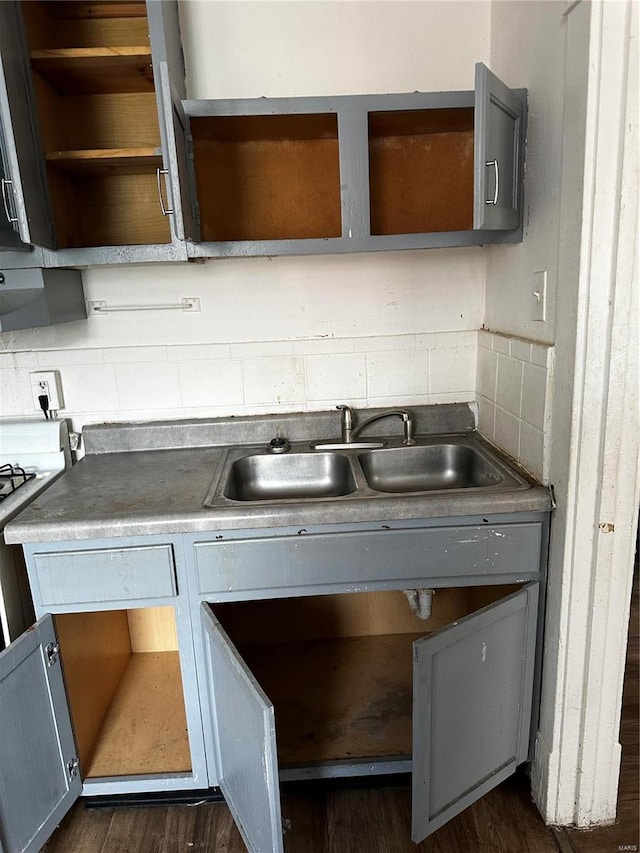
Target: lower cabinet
[{"x": 357, "y": 684}]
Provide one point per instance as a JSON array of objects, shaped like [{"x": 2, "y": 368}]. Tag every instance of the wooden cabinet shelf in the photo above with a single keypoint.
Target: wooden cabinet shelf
[
  {"x": 124, "y": 161},
  {"x": 96, "y": 69}
]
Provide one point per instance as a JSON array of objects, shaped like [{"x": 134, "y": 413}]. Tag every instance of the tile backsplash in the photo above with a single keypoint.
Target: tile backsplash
[
  {"x": 513, "y": 394},
  {"x": 201, "y": 380}
]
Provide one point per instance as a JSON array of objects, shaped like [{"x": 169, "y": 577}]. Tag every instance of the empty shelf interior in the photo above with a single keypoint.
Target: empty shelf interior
[
  {"x": 93, "y": 81},
  {"x": 124, "y": 685},
  {"x": 272, "y": 177},
  {"x": 421, "y": 171},
  {"x": 339, "y": 668}
]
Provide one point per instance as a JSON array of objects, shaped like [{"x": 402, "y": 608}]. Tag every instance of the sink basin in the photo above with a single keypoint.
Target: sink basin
[
  {"x": 428, "y": 468},
  {"x": 290, "y": 476}
]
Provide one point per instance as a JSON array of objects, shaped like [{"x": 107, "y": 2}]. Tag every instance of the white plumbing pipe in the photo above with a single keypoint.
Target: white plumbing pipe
[{"x": 420, "y": 601}]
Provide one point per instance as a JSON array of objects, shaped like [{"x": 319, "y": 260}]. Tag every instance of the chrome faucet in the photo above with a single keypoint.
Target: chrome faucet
[{"x": 350, "y": 432}]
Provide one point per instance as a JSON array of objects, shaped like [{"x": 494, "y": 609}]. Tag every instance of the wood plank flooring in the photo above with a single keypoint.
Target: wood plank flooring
[{"x": 373, "y": 820}]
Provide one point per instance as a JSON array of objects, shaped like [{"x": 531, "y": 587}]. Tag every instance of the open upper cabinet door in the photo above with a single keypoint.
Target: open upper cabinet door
[
  {"x": 25, "y": 198},
  {"x": 473, "y": 684},
  {"x": 39, "y": 774},
  {"x": 498, "y": 153},
  {"x": 169, "y": 74},
  {"x": 244, "y": 723}
]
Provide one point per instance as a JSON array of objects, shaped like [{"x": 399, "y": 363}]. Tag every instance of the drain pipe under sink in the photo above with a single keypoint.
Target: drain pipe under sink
[{"x": 420, "y": 601}]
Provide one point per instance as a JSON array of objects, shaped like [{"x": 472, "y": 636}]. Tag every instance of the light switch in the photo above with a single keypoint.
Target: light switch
[{"x": 539, "y": 296}]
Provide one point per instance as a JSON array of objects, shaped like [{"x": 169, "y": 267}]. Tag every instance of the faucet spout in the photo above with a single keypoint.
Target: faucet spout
[{"x": 407, "y": 421}]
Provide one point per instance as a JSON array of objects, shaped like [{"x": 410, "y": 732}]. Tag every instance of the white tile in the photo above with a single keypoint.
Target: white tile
[
  {"x": 452, "y": 397},
  {"x": 521, "y": 349},
  {"x": 7, "y": 361},
  {"x": 447, "y": 340},
  {"x": 148, "y": 385},
  {"x": 452, "y": 370},
  {"x": 55, "y": 359},
  {"x": 397, "y": 373},
  {"x": 507, "y": 432},
  {"x": 485, "y": 339},
  {"x": 321, "y": 346},
  {"x": 336, "y": 376},
  {"x": 273, "y": 380},
  {"x": 534, "y": 388},
  {"x": 383, "y": 343},
  {"x": 531, "y": 448},
  {"x": 400, "y": 401},
  {"x": 191, "y": 352},
  {"x": 501, "y": 343},
  {"x": 487, "y": 373},
  {"x": 262, "y": 349},
  {"x": 120, "y": 355},
  {"x": 539, "y": 354},
  {"x": 26, "y": 359},
  {"x": 10, "y": 398},
  {"x": 509, "y": 384},
  {"x": 90, "y": 388},
  {"x": 212, "y": 382},
  {"x": 486, "y": 417}
]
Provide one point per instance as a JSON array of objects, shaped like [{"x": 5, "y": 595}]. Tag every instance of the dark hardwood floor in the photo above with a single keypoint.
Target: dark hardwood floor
[{"x": 374, "y": 820}]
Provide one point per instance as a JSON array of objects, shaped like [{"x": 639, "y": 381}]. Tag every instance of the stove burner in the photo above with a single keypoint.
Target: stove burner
[{"x": 11, "y": 478}]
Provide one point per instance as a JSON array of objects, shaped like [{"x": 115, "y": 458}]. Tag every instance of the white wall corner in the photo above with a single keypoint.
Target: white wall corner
[{"x": 596, "y": 438}]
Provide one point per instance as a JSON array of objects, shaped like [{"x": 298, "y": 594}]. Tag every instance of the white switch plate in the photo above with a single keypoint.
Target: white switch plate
[
  {"x": 47, "y": 382},
  {"x": 539, "y": 296}
]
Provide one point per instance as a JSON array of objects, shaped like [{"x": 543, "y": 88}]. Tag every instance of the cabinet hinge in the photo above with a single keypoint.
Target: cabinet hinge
[
  {"x": 190, "y": 149},
  {"x": 52, "y": 651},
  {"x": 73, "y": 767}
]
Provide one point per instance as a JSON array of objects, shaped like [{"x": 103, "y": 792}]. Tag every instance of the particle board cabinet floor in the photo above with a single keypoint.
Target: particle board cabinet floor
[{"x": 373, "y": 820}]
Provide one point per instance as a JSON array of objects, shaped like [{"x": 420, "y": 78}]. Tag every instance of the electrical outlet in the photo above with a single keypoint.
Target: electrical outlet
[{"x": 46, "y": 382}]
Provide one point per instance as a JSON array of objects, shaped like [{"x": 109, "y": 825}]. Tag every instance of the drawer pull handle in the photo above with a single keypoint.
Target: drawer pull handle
[
  {"x": 5, "y": 200},
  {"x": 166, "y": 211},
  {"x": 494, "y": 163}
]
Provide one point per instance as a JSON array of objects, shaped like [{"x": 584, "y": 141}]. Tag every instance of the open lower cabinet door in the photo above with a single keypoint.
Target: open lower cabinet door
[
  {"x": 244, "y": 723},
  {"x": 39, "y": 773},
  {"x": 473, "y": 684}
]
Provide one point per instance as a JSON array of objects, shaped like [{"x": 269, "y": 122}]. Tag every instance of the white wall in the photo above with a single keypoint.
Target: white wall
[
  {"x": 528, "y": 49},
  {"x": 283, "y": 333}
]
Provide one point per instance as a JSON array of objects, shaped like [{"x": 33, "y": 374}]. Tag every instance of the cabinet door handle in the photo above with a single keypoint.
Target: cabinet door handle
[
  {"x": 494, "y": 163},
  {"x": 166, "y": 211},
  {"x": 5, "y": 200}
]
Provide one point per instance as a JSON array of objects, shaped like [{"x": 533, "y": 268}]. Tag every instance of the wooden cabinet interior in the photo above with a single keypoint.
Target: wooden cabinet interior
[
  {"x": 339, "y": 668},
  {"x": 421, "y": 170},
  {"x": 92, "y": 75},
  {"x": 124, "y": 687},
  {"x": 271, "y": 177}
]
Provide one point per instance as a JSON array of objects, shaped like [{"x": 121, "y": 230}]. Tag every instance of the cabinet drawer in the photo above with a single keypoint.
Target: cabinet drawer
[
  {"x": 439, "y": 554},
  {"x": 114, "y": 574}
]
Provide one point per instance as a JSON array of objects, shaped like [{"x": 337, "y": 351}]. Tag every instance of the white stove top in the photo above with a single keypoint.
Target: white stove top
[{"x": 38, "y": 446}]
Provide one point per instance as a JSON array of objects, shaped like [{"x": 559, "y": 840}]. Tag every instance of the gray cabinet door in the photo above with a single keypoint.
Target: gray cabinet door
[
  {"x": 169, "y": 73},
  {"x": 244, "y": 726},
  {"x": 473, "y": 683},
  {"x": 39, "y": 776},
  {"x": 25, "y": 197},
  {"x": 498, "y": 147}
]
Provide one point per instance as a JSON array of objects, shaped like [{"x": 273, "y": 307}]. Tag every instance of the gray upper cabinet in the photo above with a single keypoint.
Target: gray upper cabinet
[
  {"x": 358, "y": 173},
  {"x": 93, "y": 96},
  {"x": 499, "y": 153},
  {"x": 25, "y": 216},
  {"x": 39, "y": 776}
]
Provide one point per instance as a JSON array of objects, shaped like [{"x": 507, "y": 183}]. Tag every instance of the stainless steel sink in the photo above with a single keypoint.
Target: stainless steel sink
[
  {"x": 428, "y": 468},
  {"x": 290, "y": 476}
]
